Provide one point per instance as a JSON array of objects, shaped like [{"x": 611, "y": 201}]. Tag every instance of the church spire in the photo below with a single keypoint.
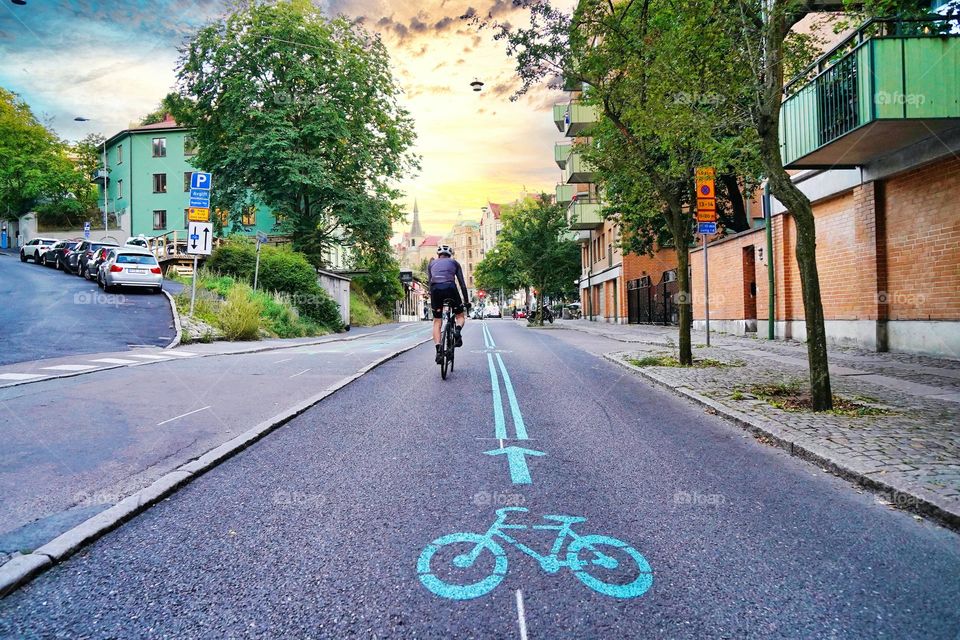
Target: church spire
[{"x": 416, "y": 230}]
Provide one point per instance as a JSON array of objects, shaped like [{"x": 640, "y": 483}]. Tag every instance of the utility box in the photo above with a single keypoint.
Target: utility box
[{"x": 338, "y": 287}]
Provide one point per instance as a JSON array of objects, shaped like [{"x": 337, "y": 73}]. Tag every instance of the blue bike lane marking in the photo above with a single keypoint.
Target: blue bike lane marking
[{"x": 589, "y": 557}]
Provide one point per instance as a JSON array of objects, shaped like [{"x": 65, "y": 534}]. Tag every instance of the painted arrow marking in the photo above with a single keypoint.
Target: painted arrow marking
[{"x": 517, "y": 457}]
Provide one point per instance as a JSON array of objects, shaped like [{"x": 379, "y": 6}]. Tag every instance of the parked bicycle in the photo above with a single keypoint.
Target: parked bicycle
[{"x": 606, "y": 565}]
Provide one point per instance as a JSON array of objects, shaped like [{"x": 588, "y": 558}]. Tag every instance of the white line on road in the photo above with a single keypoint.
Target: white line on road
[
  {"x": 185, "y": 354},
  {"x": 114, "y": 361},
  {"x": 70, "y": 367},
  {"x": 521, "y": 616},
  {"x": 146, "y": 356},
  {"x": 300, "y": 374},
  {"x": 183, "y": 415},
  {"x": 20, "y": 376},
  {"x": 284, "y": 360}
]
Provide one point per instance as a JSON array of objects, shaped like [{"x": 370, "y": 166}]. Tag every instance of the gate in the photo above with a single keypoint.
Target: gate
[{"x": 648, "y": 304}]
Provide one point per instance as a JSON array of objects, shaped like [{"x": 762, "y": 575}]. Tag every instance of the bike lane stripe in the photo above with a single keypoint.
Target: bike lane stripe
[
  {"x": 521, "y": 615},
  {"x": 518, "y": 424},
  {"x": 499, "y": 422}
]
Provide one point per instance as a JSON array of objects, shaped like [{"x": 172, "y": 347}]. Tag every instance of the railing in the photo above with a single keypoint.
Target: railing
[
  {"x": 885, "y": 70},
  {"x": 561, "y": 152},
  {"x": 578, "y": 170},
  {"x": 584, "y": 214},
  {"x": 559, "y": 114}
]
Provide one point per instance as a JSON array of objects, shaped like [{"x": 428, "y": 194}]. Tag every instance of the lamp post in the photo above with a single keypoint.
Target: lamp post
[{"x": 106, "y": 218}]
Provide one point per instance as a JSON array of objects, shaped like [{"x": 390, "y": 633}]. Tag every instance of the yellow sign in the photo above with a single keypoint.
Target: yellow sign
[
  {"x": 709, "y": 215},
  {"x": 706, "y": 204},
  {"x": 198, "y": 215},
  {"x": 706, "y": 173}
]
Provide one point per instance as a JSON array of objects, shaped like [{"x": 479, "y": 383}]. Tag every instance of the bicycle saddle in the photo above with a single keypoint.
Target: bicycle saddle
[{"x": 565, "y": 519}]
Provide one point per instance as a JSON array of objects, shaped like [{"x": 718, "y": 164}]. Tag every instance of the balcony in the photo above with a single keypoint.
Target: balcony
[
  {"x": 578, "y": 170},
  {"x": 99, "y": 176},
  {"x": 561, "y": 152},
  {"x": 584, "y": 214},
  {"x": 896, "y": 85},
  {"x": 565, "y": 193},
  {"x": 560, "y": 116},
  {"x": 579, "y": 118}
]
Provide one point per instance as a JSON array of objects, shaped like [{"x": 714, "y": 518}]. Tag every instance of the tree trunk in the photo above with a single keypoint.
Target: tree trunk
[
  {"x": 679, "y": 227},
  {"x": 739, "y": 221},
  {"x": 799, "y": 207}
]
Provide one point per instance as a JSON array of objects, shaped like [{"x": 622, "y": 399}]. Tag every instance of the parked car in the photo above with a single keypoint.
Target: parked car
[
  {"x": 93, "y": 264},
  {"x": 35, "y": 249},
  {"x": 79, "y": 260},
  {"x": 139, "y": 241},
  {"x": 58, "y": 254},
  {"x": 130, "y": 267},
  {"x": 493, "y": 311}
]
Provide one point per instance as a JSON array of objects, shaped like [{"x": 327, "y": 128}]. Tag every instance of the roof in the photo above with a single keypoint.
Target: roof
[
  {"x": 430, "y": 241},
  {"x": 495, "y": 208},
  {"x": 168, "y": 124}
]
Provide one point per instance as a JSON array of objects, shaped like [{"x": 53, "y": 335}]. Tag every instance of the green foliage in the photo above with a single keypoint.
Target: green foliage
[
  {"x": 239, "y": 316},
  {"x": 303, "y": 111},
  {"x": 36, "y": 173},
  {"x": 236, "y": 257},
  {"x": 500, "y": 268},
  {"x": 363, "y": 313},
  {"x": 381, "y": 283}
]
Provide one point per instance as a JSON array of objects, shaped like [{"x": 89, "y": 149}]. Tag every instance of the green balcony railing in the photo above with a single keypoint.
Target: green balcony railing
[
  {"x": 888, "y": 85},
  {"x": 583, "y": 214},
  {"x": 561, "y": 153},
  {"x": 565, "y": 193},
  {"x": 559, "y": 116},
  {"x": 579, "y": 118},
  {"x": 578, "y": 170}
]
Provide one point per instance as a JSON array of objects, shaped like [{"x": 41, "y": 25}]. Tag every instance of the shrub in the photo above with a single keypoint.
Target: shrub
[
  {"x": 363, "y": 313},
  {"x": 285, "y": 271},
  {"x": 234, "y": 258},
  {"x": 239, "y": 316}
]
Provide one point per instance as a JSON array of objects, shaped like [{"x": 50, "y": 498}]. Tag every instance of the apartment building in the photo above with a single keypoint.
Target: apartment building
[
  {"x": 613, "y": 287},
  {"x": 466, "y": 243},
  {"x": 148, "y": 181},
  {"x": 490, "y": 227},
  {"x": 873, "y": 139}
]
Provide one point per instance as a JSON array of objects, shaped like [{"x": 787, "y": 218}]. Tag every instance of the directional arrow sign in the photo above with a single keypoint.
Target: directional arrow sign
[
  {"x": 201, "y": 234},
  {"x": 517, "y": 457}
]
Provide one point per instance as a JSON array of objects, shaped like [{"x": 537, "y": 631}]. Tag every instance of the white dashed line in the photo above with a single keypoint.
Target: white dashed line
[
  {"x": 284, "y": 360},
  {"x": 21, "y": 376},
  {"x": 182, "y": 415},
  {"x": 70, "y": 367},
  {"x": 184, "y": 354},
  {"x": 146, "y": 356},
  {"x": 114, "y": 361},
  {"x": 300, "y": 374},
  {"x": 521, "y": 616}
]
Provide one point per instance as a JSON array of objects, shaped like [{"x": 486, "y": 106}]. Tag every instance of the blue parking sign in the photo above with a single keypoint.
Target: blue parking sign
[
  {"x": 201, "y": 180},
  {"x": 706, "y": 227},
  {"x": 200, "y": 198}
]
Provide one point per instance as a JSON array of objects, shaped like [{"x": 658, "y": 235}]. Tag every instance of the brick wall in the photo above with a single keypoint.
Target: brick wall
[{"x": 922, "y": 235}]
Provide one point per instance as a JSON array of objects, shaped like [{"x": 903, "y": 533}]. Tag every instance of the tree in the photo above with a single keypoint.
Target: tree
[
  {"x": 499, "y": 269},
  {"x": 535, "y": 231},
  {"x": 638, "y": 65},
  {"x": 300, "y": 112}
]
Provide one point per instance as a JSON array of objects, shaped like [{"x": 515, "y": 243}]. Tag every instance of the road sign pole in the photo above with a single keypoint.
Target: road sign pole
[
  {"x": 193, "y": 289},
  {"x": 706, "y": 286},
  {"x": 256, "y": 267}
]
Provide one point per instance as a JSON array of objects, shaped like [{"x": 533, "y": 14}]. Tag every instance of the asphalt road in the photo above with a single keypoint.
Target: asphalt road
[
  {"x": 75, "y": 446},
  {"x": 47, "y": 313},
  {"x": 321, "y": 529}
]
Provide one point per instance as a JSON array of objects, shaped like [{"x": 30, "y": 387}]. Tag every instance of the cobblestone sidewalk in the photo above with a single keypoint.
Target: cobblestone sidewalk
[{"x": 911, "y": 453}]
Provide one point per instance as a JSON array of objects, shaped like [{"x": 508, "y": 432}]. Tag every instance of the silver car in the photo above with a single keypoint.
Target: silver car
[{"x": 130, "y": 267}]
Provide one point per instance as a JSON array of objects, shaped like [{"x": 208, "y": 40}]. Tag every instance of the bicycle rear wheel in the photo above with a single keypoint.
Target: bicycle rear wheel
[{"x": 443, "y": 359}]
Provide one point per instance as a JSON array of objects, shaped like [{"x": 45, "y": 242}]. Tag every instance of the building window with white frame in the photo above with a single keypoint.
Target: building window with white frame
[
  {"x": 159, "y": 147},
  {"x": 159, "y": 183},
  {"x": 159, "y": 219}
]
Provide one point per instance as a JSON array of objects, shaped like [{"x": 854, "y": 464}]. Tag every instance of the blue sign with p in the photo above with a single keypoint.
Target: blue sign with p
[{"x": 200, "y": 180}]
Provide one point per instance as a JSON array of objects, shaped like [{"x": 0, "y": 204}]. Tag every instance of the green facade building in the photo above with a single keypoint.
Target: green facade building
[{"x": 149, "y": 180}]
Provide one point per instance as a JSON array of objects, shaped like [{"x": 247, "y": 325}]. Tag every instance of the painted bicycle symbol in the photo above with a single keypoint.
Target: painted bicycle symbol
[{"x": 606, "y": 565}]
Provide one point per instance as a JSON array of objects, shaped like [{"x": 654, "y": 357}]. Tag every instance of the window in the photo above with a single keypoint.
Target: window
[
  {"x": 159, "y": 219},
  {"x": 119, "y": 154},
  {"x": 119, "y": 188},
  {"x": 189, "y": 145},
  {"x": 186, "y": 218},
  {"x": 469, "y": 254},
  {"x": 159, "y": 147},
  {"x": 249, "y": 217},
  {"x": 159, "y": 183},
  {"x": 186, "y": 181},
  {"x": 224, "y": 216}
]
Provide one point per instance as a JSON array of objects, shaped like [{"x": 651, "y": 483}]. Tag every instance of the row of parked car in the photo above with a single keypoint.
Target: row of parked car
[{"x": 109, "y": 264}]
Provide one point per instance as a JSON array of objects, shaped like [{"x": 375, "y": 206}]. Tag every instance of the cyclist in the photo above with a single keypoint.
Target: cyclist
[{"x": 443, "y": 275}]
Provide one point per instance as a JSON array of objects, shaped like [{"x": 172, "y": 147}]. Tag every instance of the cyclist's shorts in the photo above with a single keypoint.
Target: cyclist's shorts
[{"x": 441, "y": 292}]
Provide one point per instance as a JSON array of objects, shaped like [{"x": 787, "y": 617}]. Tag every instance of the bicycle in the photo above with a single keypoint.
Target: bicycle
[
  {"x": 633, "y": 562},
  {"x": 447, "y": 338}
]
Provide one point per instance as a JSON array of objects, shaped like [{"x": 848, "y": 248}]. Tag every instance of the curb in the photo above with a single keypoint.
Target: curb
[
  {"x": 74, "y": 374},
  {"x": 905, "y": 495},
  {"x": 176, "y": 320},
  {"x": 21, "y": 569}
]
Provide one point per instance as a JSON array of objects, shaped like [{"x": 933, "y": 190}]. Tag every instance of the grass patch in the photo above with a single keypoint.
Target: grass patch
[
  {"x": 666, "y": 360},
  {"x": 795, "y": 397},
  {"x": 243, "y": 314},
  {"x": 363, "y": 313},
  {"x": 736, "y": 395}
]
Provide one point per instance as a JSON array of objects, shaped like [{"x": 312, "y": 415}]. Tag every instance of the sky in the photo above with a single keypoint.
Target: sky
[{"x": 112, "y": 61}]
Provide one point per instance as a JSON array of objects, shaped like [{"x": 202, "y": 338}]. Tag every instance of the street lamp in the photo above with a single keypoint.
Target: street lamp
[{"x": 106, "y": 225}]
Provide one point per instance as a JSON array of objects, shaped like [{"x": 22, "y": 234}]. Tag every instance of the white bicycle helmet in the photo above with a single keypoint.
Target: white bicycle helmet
[{"x": 445, "y": 249}]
